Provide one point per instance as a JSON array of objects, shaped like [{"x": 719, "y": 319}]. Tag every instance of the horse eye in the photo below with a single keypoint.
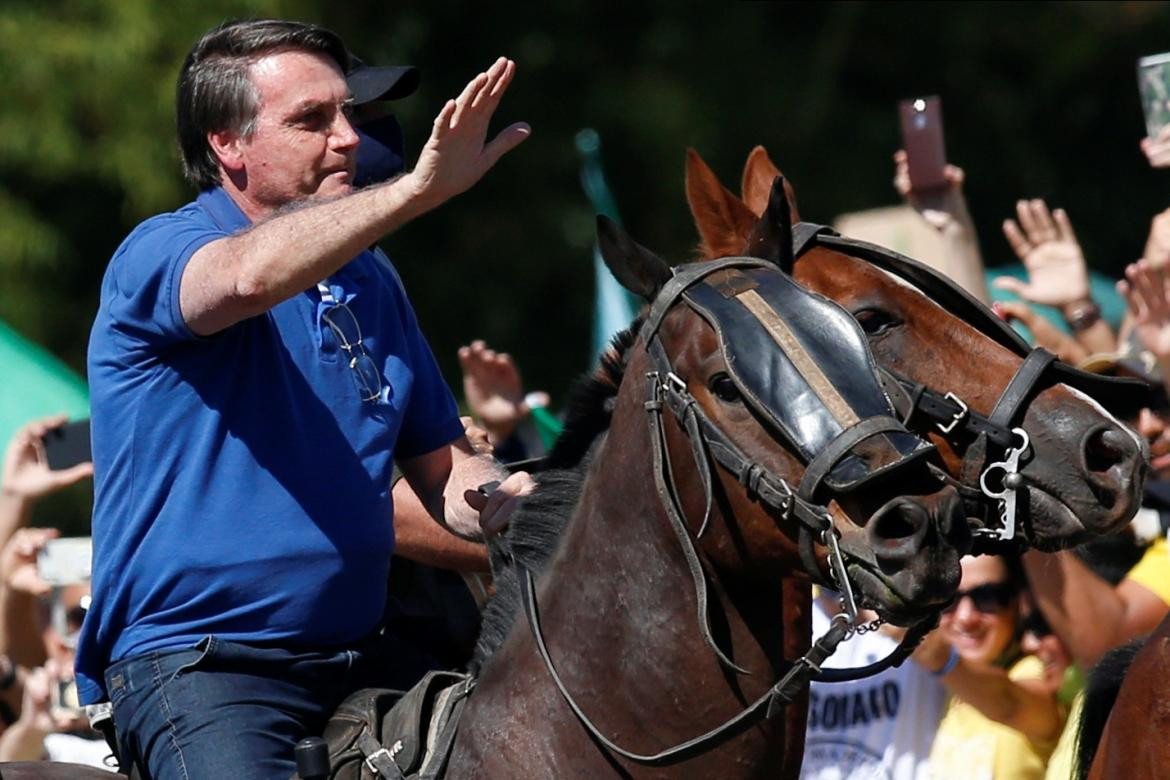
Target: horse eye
[
  {"x": 875, "y": 321},
  {"x": 723, "y": 387}
]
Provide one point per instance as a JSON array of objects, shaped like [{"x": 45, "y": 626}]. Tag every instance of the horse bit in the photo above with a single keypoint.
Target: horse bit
[{"x": 998, "y": 480}]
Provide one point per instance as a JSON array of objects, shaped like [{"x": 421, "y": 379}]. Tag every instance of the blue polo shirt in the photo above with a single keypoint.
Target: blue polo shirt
[{"x": 242, "y": 486}]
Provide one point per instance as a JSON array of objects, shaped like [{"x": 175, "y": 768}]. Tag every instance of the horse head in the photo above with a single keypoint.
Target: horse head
[
  {"x": 782, "y": 446},
  {"x": 1077, "y": 470}
]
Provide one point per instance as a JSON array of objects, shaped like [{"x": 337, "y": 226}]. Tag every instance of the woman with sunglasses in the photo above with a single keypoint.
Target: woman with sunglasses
[{"x": 1003, "y": 719}]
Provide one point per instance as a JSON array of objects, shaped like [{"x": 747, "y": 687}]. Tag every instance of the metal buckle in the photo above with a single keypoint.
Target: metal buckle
[
  {"x": 958, "y": 416},
  {"x": 673, "y": 381},
  {"x": 787, "y": 500},
  {"x": 378, "y": 754}
]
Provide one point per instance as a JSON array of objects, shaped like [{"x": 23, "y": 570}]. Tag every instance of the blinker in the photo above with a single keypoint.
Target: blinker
[{"x": 803, "y": 365}]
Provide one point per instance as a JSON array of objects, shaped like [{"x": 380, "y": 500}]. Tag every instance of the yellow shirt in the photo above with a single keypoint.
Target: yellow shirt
[
  {"x": 1152, "y": 572},
  {"x": 971, "y": 746},
  {"x": 1061, "y": 761}
]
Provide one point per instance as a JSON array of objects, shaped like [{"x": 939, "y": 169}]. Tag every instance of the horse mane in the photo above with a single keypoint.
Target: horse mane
[
  {"x": 590, "y": 402},
  {"x": 535, "y": 528},
  {"x": 1100, "y": 695}
]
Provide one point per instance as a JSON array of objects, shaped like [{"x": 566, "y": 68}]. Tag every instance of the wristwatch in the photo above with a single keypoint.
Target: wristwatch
[{"x": 1082, "y": 315}]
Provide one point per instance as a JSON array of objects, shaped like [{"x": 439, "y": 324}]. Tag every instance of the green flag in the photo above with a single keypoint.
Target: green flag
[{"x": 614, "y": 307}]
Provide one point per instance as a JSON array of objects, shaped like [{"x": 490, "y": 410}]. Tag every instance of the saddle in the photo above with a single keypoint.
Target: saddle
[{"x": 378, "y": 733}]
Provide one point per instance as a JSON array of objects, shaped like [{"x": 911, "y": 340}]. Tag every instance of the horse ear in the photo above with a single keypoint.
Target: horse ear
[
  {"x": 771, "y": 239},
  {"x": 723, "y": 221},
  {"x": 634, "y": 266},
  {"x": 758, "y": 174}
]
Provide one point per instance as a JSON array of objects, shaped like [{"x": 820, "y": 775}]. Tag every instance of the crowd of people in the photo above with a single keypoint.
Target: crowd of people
[
  {"x": 995, "y": 691},
  {"x": 260, "y": 316}
]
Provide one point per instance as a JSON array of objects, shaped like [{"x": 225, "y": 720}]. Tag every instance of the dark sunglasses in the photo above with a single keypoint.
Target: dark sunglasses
[
  {"x": 1036, "y": 625},
  {"x": 988, "y": 598}
]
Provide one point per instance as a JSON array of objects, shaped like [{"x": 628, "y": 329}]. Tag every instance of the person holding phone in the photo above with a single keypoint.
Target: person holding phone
[
  {"x": 39, "y": 650},
  {"x": 256, "y": 372},
  {"x": 943, "y": 206},
  {"x": 27, "y": 475}
]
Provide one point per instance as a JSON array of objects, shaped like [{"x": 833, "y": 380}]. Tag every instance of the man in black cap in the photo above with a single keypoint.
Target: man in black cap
[{"x": 381, "y": 152}]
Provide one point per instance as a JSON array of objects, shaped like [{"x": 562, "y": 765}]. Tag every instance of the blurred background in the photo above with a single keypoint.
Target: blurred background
[{"x": 1039, "y": 100}]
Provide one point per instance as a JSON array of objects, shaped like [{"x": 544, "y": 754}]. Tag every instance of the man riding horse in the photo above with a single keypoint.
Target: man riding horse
[{"x": 256, "y": 372}]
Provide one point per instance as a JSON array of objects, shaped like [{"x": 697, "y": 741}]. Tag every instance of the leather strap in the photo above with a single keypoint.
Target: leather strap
[
  {"x": 377, "y": 757},
  {"x": 1016, "y": 394},
  {"x": 667, "y": 496},
  {"x": 839, "y": 447},
  {"x": 441, "y": 749},
  {"x": 684, "y": 277},
  {"x": 767, "y": 705}
]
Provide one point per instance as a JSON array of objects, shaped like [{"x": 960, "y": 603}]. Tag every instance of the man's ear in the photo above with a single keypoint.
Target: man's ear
[{"x": 226, "y": 146}]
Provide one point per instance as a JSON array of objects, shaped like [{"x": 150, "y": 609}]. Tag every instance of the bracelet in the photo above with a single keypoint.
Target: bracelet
[
  {"x": 949, "y": 666},
  {"x": 1085, "y": 316}
]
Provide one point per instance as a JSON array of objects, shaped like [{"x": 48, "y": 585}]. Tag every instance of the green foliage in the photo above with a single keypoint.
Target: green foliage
[{"x": 1039, "y": 99}]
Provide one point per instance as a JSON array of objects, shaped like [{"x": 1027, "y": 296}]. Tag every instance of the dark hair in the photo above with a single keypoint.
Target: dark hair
[{"x": 216, "y": 92}]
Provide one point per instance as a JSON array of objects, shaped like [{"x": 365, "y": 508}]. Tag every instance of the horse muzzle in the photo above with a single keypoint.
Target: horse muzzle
[{"x": 905, "y": 561}]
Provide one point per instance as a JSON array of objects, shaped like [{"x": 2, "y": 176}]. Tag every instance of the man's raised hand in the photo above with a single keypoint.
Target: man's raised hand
[{"x": 458, "y": 154}]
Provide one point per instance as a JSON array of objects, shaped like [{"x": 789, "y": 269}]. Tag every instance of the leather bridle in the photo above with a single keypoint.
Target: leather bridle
[
  {"x": 997, "y": 433},
  {"x": 665, "y": 390}
]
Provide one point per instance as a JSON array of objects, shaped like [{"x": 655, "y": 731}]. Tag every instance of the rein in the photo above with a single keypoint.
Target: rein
[{"x": 667, "y": 390}]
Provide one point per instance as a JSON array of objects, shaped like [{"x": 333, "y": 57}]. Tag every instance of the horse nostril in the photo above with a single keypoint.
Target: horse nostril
[
  {"x": 1106, "y": 447},
  {"x": 896, "y": 524}
]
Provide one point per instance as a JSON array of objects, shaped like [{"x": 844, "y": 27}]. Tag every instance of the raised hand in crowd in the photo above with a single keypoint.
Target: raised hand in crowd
[
  {"x": 1158, "y": 244},
  {"x": 18, "y": 560},
  {"x": 20, "y": 587},
  {"x": 1057, "y": 274},
  {"x": 946, "y": 211},
  {"x": 26, "y": 474},
  {"x": 1044, "y": 333},
  {"x": 494, "y": 390},
  {"x": 24, "y": 740},
  {"x": 1157, "y": 149},
  {"x": 1146, "y": 290}
]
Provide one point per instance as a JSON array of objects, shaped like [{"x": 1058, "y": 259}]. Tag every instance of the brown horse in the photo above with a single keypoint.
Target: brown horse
[
  {"x": 1083, "y": 471},
  {"x": 617, "y": 600},
  {"x": 1133, "y": 745}
]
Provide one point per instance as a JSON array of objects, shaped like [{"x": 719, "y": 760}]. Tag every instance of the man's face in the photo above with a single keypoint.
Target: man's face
[{"x": 303, "y": 144}]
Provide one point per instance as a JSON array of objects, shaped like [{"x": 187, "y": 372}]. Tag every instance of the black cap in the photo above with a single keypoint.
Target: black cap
[{"x": 369, "y": 83}]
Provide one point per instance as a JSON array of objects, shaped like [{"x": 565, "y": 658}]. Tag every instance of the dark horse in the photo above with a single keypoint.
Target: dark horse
[
  {"x": 961, "y": 376},
  {"x": 1133, "y": 744},
  {"x": 693, "y": 497}
]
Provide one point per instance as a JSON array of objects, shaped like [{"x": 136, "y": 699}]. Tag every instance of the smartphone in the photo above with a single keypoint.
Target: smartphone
[
  {"x": 68, "y": 445},
  {"x": 922, "y": 138},
  {"x": 1154, "y": 86},
  {"x": 63, "y": 700},
  {"x": 66, "y": 561}
]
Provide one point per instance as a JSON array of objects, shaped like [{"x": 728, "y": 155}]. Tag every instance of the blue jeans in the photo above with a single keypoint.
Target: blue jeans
[{"x": 225, "y": 709}]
